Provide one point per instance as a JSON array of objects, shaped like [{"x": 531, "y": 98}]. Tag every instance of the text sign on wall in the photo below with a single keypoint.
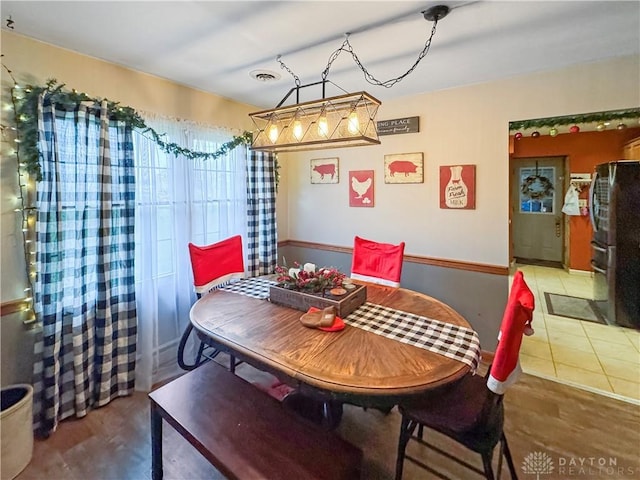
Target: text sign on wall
[{"x": 399, "y": 125}]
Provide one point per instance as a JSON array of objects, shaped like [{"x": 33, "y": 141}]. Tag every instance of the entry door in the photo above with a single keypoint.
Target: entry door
[{"x": 536, "y": 197}]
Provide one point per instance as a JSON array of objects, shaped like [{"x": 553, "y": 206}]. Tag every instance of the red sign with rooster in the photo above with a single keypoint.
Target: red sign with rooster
[{"x": 361, "y": 188}]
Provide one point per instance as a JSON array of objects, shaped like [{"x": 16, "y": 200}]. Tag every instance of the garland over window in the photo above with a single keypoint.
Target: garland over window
[{"x": 26, "y": 105}]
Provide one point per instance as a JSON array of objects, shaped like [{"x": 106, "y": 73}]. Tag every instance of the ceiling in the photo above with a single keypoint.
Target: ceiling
[{"x": 213, "y": 45}]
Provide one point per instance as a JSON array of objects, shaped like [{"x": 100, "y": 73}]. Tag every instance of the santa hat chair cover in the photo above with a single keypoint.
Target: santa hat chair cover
[
  {"x": 516, "y": 322},
  {"x": 375, "y": 262},
  {"x": 216, "y": 264}
]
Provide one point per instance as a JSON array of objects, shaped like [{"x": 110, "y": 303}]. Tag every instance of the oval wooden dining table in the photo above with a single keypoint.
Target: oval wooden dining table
[{"x": 351, "y": 365}]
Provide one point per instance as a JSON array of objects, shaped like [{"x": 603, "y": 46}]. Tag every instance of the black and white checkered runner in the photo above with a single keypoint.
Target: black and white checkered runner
[
  {"x": 452, "y": 341},
  {"x": 255, "y": 287}
]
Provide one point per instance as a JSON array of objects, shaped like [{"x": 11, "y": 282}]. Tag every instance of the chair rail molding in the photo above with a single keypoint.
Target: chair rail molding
[{"x": 437, "y": 262}]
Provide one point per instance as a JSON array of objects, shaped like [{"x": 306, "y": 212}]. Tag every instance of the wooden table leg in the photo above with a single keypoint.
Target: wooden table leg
[{"x": 156, "y": 443}]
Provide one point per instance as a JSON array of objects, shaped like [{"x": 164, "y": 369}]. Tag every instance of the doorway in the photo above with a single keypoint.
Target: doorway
[{"x": 536, "y": 202}]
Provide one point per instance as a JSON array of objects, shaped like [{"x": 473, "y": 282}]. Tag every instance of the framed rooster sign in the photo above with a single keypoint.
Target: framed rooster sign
[{"x": 361, "y": 188}]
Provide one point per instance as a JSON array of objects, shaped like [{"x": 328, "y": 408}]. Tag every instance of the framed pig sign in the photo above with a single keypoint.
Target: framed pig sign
[
  {"x": 458, "y": 187},
  {"x": 324, "y": 170},
  {"x": 404, "y": 168}
]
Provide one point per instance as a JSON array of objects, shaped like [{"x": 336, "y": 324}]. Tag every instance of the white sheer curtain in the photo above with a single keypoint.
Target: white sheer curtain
[{"x": 178, "y": 200}]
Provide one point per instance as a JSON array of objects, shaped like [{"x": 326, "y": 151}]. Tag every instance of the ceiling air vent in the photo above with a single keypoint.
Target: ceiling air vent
[{"x": 264, "y": 75}]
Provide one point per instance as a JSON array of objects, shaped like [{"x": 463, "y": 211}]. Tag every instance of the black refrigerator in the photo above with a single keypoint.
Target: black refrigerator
[{"x": 615, "y": 217}]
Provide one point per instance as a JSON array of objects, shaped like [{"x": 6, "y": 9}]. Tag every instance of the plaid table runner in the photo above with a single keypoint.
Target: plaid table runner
[
  {"x": 255, "y": 287},
  {"x": 452, "y": 341}
]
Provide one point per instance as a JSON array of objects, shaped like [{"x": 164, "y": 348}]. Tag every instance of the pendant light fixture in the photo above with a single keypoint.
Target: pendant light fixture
[
  {"x": 344, "y": 121},
  {"x": 347, "y": 120}
]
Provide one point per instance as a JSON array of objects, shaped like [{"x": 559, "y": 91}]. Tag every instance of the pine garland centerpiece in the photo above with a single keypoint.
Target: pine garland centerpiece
[{"x": 308, "y": 278}]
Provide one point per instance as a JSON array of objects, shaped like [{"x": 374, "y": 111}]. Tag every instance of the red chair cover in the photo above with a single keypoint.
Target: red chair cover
[
  {"x": 516, "y": 321},
  {"x": 377, "y": 262},
  {"x": 217, "y": 263}
]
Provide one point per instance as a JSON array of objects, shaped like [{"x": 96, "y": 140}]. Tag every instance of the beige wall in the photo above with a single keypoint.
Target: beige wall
[
  {"x": 466, "y": 125},
  {"x": 34, "y": 61}
]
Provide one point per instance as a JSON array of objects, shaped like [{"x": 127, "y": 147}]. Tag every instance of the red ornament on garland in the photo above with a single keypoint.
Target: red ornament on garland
[
  {"x": 535, "y": 134},
  {"x": 518, "y": 136},
  {"x": 574, "y": 129}
]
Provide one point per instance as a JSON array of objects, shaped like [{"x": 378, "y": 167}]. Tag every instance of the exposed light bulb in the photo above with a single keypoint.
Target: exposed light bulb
[
  {"x": 323, "y": 127},
  {"x": 297, "y": 130},
  {"x": 353, "y": 124},
  {"x": 273, "y": 133}
]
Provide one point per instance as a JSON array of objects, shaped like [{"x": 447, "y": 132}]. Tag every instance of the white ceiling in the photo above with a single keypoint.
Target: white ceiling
[{"x": 213, "y": 45}]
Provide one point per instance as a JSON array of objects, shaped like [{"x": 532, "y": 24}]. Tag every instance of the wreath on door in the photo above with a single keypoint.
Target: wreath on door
[{"x": 536, "y": 187}]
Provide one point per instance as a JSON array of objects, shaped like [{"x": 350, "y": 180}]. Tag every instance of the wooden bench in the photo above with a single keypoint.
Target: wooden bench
[{"x": 245, "y": 433}]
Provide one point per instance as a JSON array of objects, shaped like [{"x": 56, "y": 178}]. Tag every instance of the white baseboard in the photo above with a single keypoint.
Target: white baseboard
[{"x": 583, "y": 273}]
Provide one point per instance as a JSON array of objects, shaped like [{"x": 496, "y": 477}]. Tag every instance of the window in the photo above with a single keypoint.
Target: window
[{"x": 535, "y": 195}]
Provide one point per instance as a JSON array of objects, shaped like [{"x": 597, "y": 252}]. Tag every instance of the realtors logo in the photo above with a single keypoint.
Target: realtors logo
[{"x": 537, "y": 463}]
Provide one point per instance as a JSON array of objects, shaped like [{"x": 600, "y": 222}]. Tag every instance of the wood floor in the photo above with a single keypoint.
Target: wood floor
[{"x": 570, "y": 426}]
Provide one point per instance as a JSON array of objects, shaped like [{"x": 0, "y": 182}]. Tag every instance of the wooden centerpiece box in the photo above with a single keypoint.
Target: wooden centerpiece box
[{"x": 345, "y": 304}]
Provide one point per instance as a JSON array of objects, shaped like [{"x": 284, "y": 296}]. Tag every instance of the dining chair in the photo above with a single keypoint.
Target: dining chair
[
  {"x": 471, "y": 411},
  {"x": 213, "y": 265},
  {"x": 375, "y": 262}
]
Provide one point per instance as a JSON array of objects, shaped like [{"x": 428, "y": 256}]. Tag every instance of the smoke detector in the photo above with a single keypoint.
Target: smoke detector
[{"x": 264, "y": 75}]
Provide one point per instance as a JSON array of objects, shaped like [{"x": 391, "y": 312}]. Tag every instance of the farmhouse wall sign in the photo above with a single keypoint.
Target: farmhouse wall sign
[
  {"x": 458, "y": 186},
  {"x": 399, "y": 125},
  {"x": 324, "y": 170},
  {"x": 361, "y": 188},
  {"x": 403, "y": 168}
]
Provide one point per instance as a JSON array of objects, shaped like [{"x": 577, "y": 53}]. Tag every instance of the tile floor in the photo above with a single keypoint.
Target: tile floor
[{"x": 601, "y": 358}]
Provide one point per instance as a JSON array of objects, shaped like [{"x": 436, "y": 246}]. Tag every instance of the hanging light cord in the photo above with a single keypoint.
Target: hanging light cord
[{"x": 347, "y": 47}]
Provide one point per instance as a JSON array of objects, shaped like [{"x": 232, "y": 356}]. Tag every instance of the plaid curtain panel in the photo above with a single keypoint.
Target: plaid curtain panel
[
  {"x": 262, "y": 240},
  {"x": 85, "y": 354}
]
